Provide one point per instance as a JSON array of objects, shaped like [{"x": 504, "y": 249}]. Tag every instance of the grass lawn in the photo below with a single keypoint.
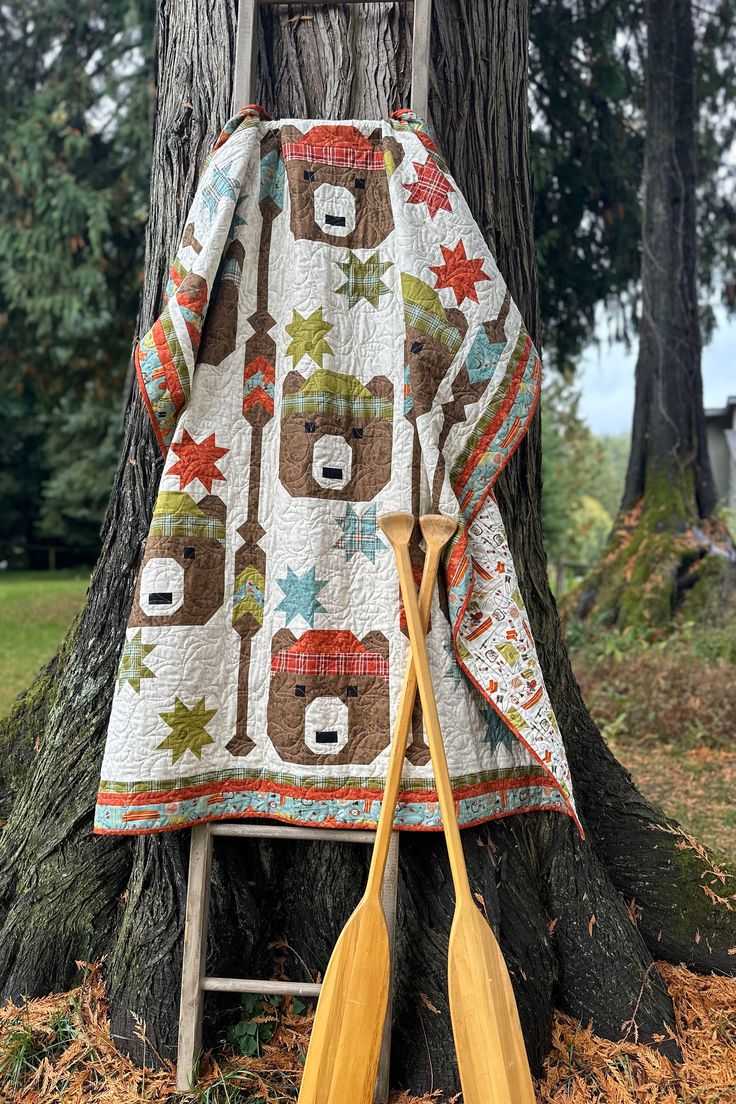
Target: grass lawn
[
  {"x": 668, "y": 713},
  {"x": 36, "y": 609},
  {"x": 692, "y": 783}
]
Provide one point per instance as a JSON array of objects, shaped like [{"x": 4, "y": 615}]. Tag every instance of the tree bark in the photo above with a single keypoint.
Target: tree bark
[
  {"x": 559, "y": 903},
  {"x": 668, "y": 545}
]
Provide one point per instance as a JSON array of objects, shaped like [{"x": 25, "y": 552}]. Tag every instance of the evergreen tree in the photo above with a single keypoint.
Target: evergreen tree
[
  {"x": 587, "y": 98},
  {"x": 73, "y": 203}
]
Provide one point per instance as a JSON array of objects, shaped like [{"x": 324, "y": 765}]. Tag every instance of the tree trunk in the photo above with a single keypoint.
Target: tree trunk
[
  {"x": 560, "y": 904},
  {"x": 667, "y": 546}
]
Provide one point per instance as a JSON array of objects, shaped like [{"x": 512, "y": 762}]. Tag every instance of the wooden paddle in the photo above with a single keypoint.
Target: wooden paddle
[
  {"x": 491, "y": 1055},
  {"x": 345, "y": 1044}
]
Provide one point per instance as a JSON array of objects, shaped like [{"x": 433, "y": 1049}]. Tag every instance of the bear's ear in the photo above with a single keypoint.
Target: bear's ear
[
  {"x": 457, "y": 319},
  {"x": 293, "y": 383},
  {"x": 281, "y": 641},
  {"x": 381, "y": 387},
  {"x": 496, "y": 329},
  {"x": 395, "y": 148},
  {"x": 376, "y": 643},
  {"x": 271, "y": 142},
  {"x": 290, "y": 134},
  {"x": 213, "y": 507}
]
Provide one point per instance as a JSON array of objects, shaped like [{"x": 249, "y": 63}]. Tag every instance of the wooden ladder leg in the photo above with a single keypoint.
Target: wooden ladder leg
[
  {"x": 388, "y": 899},
  {"x": 245, "y": 76},
  {"x": 195, "y": 953}
]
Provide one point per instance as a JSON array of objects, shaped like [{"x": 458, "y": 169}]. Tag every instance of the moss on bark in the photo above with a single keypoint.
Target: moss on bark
[{"x": 656, "y": 572}]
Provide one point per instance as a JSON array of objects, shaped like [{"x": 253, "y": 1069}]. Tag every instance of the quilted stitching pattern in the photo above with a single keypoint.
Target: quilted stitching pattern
[{"x": 337, "y": 342}]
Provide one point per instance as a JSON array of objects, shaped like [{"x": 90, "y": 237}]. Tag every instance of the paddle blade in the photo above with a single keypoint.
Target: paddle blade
[
  {"x": 491, "y": 1055},
  {"x": 345, "y": 1045}
]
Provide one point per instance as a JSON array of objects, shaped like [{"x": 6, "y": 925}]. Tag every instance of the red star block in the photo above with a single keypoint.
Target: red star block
[
  {"x": 197, "y": 460},
  {"x": 431, "y": 187},
  {"x": 459, "y": 273}
]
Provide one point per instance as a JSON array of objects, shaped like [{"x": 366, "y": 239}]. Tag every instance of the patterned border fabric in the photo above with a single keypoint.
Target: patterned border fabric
[{"x": 336, "y": 342}]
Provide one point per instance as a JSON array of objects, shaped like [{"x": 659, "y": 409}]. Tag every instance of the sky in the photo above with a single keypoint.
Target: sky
[{"x": 607, "y": 378}]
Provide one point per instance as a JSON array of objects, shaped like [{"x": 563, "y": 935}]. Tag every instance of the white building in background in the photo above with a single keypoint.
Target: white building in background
[{"x": 721, "y": 433}]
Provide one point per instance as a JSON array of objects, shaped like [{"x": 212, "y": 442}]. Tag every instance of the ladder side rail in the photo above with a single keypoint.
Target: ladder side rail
[
  {"x": 420, "y": 57},
  {"x": 194, "y": 957},
  {"x": 245, "y": 71},
  {"x": 245, "y": 74}
]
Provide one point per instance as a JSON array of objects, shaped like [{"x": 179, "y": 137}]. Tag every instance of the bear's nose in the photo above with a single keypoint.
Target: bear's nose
[
  {"x": 332, "y": 462},
  {"x": 334, "y": 210},
  {"x": 326, "y": 725},
  {"x": 162, "y": 586}
]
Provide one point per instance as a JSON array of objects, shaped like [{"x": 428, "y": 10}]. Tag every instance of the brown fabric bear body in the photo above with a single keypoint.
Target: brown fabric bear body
[
  {"x": 221, "y": 325},
  {"x": 338, "y": 184},
  {"x": 328, "y": 698},
  {"x": 182, "y": 577},
  {"x": 336, "y": 447}
]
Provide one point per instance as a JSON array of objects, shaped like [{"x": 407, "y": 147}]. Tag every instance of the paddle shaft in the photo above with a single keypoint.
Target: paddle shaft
[
  {"x": 346, "y": 1035},
  {"x": 402, "y": 724},
  {"x": 489, "y": 1042},
  {"x": 432, "y": 724}
]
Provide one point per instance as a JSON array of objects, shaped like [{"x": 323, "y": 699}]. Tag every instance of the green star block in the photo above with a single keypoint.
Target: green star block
[
  {"x": 364, "y": 279},
  {"x": 300, "y": 596},
  {"x": 188, "y": 731},
  {"x": 132, "y": 668},
  {"x": 308, "y": 337}
]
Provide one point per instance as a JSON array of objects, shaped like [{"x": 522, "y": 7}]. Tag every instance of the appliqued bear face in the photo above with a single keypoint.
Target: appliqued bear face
[
  {"x": 181, "y": 580},
  {"x": 336, "y": 436},
  {"x": 338, "y": 184},
  {"x": 328, "y": 698}
]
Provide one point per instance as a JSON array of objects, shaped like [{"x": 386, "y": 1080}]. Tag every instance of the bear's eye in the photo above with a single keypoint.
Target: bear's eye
[
  {"x": 300, "y": 691},
  {"x": 417, "y": 346},
  {"x": 359, "y": 182},
  {"x": 308, "y": 174},
  {"x": 351, "y": 692},
  {"x": 189, "y": 553},
  {"x": 311, "y": 427},
  {"x": 357, "y": 432}
]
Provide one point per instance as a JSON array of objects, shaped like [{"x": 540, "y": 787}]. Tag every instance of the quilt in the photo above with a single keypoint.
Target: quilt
[{"x": 336, "y": 343}]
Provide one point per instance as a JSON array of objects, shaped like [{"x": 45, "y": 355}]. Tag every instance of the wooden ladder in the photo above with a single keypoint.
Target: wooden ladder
[
  {"x": 194, "y": 981},
  {"x": 246, "y": 48}
]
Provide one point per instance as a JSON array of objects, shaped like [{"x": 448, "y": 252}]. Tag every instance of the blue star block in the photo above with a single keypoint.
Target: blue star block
[
  {"x": 360, "y": 534},
  {"x": 497, "y": 734},
  {"x": 454, "y": 671},
  {"x": 300, "y": 596},
  {"x": 483, "y": 357}
]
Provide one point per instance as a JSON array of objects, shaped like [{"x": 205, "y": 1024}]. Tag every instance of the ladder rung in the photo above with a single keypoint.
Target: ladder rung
[
  {"x": 270, "y": 831},
  {"x": 256, "y": 985}
]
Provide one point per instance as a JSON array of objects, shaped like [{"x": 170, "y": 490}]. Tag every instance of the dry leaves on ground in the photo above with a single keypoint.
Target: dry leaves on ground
[{"x": 59, "y": 1049}]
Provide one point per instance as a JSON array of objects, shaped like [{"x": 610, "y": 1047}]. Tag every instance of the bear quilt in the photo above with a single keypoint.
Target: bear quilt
[{"x": 336, "y": 343}]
